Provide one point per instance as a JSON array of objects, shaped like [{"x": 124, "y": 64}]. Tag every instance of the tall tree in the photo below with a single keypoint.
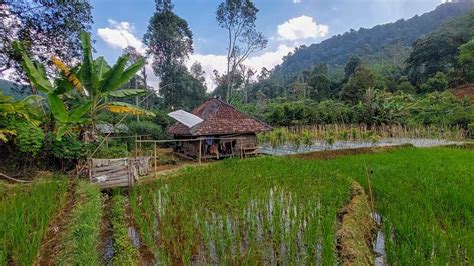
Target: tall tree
[
  {"x": 182, "y": 91},
  {"x": 45, "y": 28},
  {"x": 238, "y": 18},
  {"x": 466, "y": 61},
  {"x": 198, "y": 73},
  {"x": 168, "y": 38},
  {"x": 359, "y": 82}
]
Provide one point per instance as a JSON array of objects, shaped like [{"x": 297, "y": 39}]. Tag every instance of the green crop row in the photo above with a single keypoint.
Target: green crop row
[
  {"x": 124, "y": 252},
  {"x": 80, "y": 242},
  {"x": 24, "y": 217}
]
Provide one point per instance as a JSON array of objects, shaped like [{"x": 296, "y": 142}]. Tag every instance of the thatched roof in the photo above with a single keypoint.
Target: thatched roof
[{"x": 220, "y": 118}]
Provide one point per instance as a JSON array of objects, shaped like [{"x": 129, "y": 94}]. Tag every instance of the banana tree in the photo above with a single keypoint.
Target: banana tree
[{"x": 96, "y": 82}]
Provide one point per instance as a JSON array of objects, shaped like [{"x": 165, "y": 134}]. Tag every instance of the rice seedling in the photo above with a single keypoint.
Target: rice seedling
[
  {"x": 269, "y": 210},
  {"x": 322, "y": 133},
  {"x": 80, "y": 243},
  {"x": 124, "y": 252},
  {"x": 24, "y": 215}
]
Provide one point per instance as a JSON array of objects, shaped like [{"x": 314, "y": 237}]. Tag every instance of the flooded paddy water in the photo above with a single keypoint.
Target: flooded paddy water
[{"x": 288, "y": 149}]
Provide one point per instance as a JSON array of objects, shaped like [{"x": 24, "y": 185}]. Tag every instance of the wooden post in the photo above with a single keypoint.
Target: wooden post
[
  {"x": 155, "y": 157},
  {"x": 241, "y": 149},
  {"x": 200, "y": 150},
  {"x": 136, "y": 146}
]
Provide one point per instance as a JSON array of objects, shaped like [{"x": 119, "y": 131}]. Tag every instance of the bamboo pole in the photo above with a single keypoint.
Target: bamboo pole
[
  {"x": 136, "y": 146},
  {"x": 200, "y": 152},
  {"x": 155, "y": 157}
]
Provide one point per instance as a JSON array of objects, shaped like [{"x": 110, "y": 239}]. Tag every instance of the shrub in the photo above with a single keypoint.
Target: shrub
[
  {"x": 146, "y": 128},
  {"x": 29, "y": 139}
]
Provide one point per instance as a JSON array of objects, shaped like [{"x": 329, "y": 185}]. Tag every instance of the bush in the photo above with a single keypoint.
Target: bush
[
  {"x": 146, "y": 128},
  {"x": 69, "y": 147},
  {"x": 29, "y": 139}
]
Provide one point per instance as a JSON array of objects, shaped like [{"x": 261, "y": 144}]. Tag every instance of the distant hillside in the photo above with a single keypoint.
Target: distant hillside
[
  {"x": 13, "y": 89},
  {"x": 368, "y": 42}
]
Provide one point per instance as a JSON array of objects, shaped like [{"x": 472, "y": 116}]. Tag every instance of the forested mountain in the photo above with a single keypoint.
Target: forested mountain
[
  {"x": 13, "y": 89},
  {"x": 381, "y": 39}
]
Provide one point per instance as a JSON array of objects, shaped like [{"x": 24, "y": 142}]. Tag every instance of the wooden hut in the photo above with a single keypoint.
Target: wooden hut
[{"x": 223, "y": 132}]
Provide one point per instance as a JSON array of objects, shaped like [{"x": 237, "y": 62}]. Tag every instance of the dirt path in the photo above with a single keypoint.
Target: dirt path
[
  {"x": 356, "y": 230},
  {"x": 51, "y": 242}
]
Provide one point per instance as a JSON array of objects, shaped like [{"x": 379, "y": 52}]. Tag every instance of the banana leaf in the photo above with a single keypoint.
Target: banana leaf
[
  {"x": 76, "y": 114},
  {"x": 57, "y": 108},
  {"x": 87, "y": 71},
  {"x": 121, "y": 107},
  {"x": 130, "y": 72},
  {"x": 113, "y": 76},
  {"x": 126, "y": 93},
  {"x": 35, "y": 74}
]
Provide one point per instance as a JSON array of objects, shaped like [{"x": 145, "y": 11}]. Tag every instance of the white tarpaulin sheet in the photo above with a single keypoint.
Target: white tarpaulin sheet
[{"x": 186, "y": 118}]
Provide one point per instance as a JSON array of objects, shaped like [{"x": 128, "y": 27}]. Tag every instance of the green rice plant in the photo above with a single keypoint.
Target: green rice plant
[
  {"x": 124, "y": 252},
  {"x": 24, "y": 217},
  {"x": 425, "y": 199},
  {"x": 295, "y": 140},
  {"x": 80, "y": 242},
  {"x": 242, "y": 211},
  {"x": 307, "y": 138}
]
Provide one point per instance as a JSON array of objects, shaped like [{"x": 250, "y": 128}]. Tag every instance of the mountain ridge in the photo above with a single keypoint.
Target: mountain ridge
[{"x": 336, "y": 50}]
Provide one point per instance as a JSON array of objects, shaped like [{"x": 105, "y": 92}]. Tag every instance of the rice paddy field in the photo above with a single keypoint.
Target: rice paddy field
[
  {"x": 267, "y": 210},
  {"x": 284, "y": 210}
]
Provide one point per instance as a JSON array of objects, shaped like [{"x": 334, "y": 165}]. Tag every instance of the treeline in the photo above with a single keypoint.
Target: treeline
[
  {"x": 384, "y": 40},
  {"x": 374, "y": 92}
]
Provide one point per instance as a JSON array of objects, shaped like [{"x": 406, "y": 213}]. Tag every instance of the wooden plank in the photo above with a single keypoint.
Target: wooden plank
[{"x": 107, "y": 168}]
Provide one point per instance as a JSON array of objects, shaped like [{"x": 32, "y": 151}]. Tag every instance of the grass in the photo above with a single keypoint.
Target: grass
[
  {"x": 125, "y": 253},
  {"x": 264, "y": 210},
  {"x": 80, "y": 243},
  {"x": 24, "y": 217},
  {"x": 425, "y": 197}
]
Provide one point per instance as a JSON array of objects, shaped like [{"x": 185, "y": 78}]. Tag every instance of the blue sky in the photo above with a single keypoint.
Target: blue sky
[{"x": 286, "y": 24}]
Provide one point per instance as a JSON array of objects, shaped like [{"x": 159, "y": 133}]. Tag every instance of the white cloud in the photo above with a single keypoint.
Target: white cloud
[
  {"x": 296, "y": 1},
  {"x": 301, "y": 28},
  {"x": 219, "y": 62},
  {"x": 120, "y": 35}
]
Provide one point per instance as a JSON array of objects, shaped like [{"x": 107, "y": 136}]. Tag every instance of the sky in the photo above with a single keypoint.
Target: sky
[{"x": 286, "y": 24}]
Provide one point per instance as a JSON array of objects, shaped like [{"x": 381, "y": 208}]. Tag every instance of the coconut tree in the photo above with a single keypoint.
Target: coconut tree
[{"x": 96, "y": 83}]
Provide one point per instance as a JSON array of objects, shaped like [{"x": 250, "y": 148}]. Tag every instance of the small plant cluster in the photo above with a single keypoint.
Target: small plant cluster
[
  {"x": 125, "y": 253},
  {"x": 329, "y": 134}
]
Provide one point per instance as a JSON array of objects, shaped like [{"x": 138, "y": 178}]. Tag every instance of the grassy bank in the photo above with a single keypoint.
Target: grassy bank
[
  {"x": 24, "y": 217},
  {"x": 80, "y": 243}
]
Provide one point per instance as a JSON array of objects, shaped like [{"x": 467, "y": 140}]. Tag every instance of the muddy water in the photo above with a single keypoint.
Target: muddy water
[
  {"x": 288, "y": 149},
  {"x": 107, "y": 240},
  {"x": 379, "y": 244}
]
